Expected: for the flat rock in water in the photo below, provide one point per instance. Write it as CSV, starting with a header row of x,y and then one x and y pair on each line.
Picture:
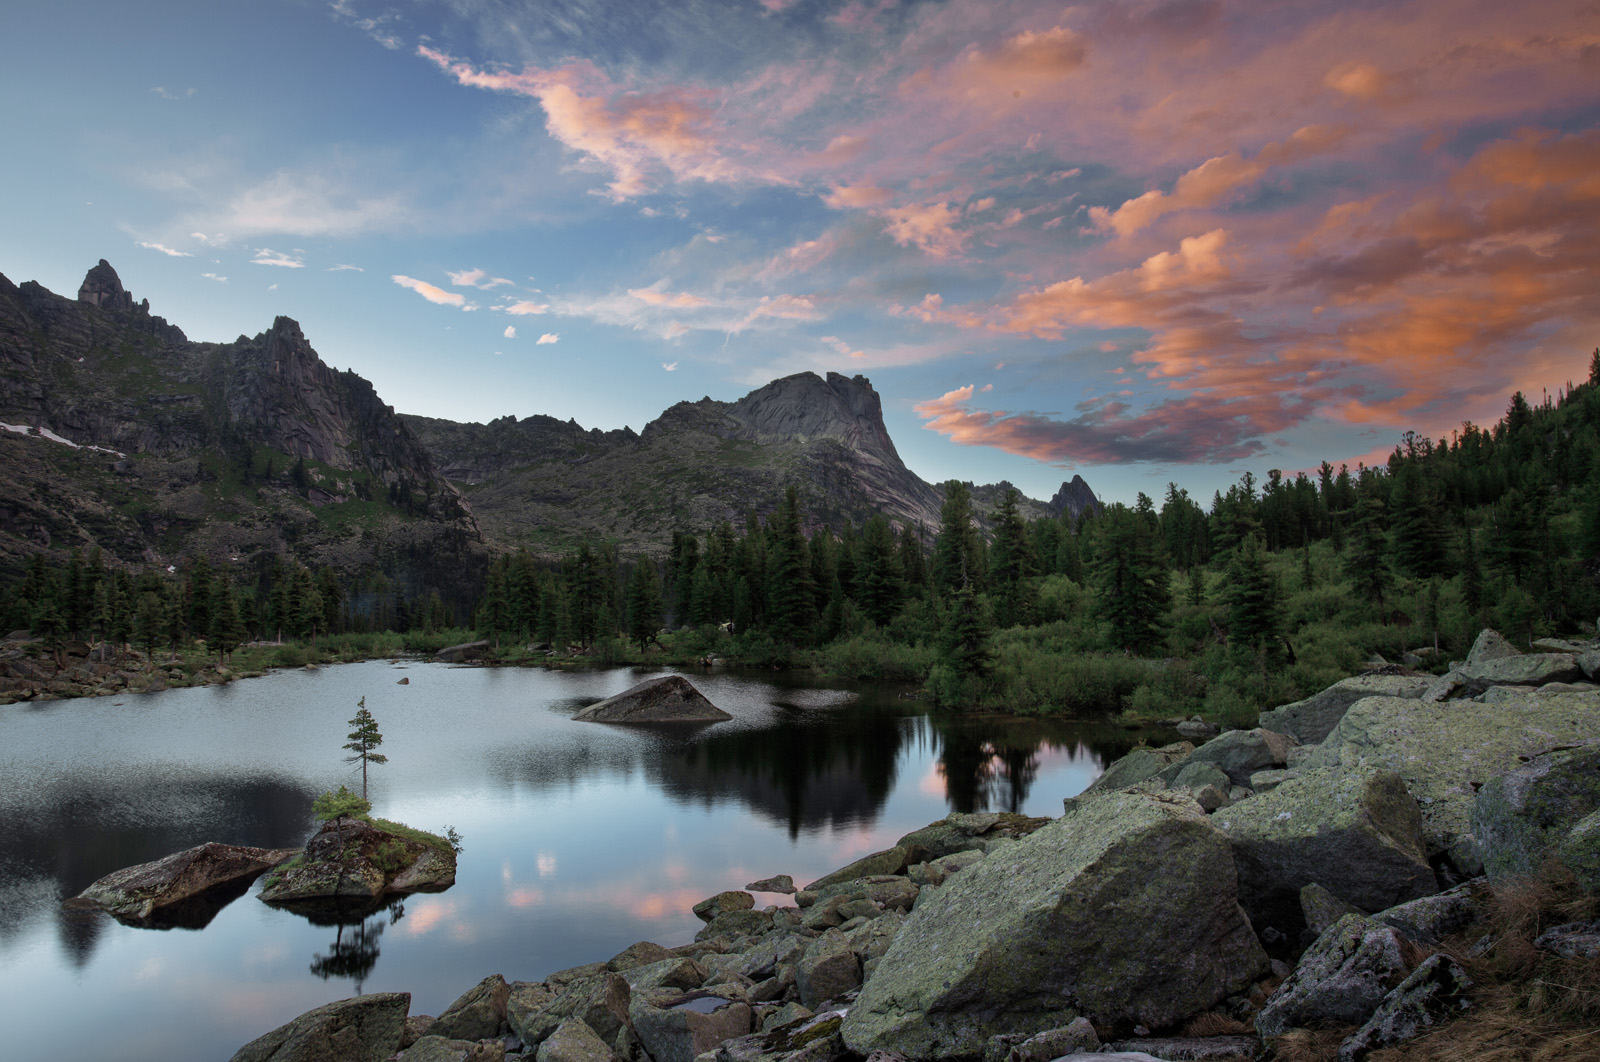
x,y
671,699
139,894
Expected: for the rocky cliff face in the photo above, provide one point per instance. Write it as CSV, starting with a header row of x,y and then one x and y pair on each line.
x,y
546,483
167,447
1075,498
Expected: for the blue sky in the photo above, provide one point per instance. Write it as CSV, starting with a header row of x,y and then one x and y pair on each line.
x,y
1138,241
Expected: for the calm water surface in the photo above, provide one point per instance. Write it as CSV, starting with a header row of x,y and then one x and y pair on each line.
x,y
579,838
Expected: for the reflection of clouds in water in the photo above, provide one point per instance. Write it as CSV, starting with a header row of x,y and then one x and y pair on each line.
x,y
933,783
524,897
426,913
547,864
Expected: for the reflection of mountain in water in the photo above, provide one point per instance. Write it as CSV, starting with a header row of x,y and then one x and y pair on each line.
x,y
809,769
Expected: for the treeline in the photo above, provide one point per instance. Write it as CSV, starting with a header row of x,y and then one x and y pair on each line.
x,y
154,608
1274,589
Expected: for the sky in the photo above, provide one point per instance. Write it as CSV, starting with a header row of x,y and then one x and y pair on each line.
x,y
1140,241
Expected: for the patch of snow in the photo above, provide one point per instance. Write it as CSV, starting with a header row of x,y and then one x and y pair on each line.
x,y
46,433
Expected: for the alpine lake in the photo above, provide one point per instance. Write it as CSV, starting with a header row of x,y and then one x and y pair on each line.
x,y
578,838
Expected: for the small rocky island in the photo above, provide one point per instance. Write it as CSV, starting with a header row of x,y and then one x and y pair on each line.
x,y
1336,881
360,860
669,699
181,889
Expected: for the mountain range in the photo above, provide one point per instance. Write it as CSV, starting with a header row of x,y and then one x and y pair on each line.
x,y
126,435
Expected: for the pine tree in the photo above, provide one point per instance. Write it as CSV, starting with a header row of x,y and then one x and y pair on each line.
x,y
1252,600
879,579
644,602
151,623
1134,586
791,593
956,551
363,739
198,619
226,627
1011,563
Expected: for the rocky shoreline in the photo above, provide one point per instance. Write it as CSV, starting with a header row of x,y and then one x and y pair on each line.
x,y
1195,902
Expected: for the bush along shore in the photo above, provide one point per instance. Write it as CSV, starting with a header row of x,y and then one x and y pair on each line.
x,y
1402,866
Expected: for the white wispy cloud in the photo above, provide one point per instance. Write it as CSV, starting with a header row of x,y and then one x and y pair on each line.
x,y
670,366
168,94
268,257
475,278
511,332
341,268
523,309
431,292
214,276
164,249
548,337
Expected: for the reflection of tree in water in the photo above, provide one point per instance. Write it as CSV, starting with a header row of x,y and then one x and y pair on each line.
x,y
355,956
990,762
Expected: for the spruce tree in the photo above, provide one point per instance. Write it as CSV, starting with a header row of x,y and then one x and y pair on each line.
x,y
1133,584
1252,600
956,551
791,594
363,739
226,627
880,582
644,601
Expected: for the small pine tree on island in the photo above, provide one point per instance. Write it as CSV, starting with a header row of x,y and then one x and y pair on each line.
x,y
363,739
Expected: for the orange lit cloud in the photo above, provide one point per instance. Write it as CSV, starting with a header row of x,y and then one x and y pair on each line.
x,y
664,298
930,226
430,292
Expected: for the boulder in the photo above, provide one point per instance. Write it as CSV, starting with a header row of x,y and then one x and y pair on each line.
x,y
889,861
1241,753
1530,669
1356,833
1574,940
1124,910
1524,815
1197,774
812,1038
1321,908
828,969
1580,852
969,832
1589,662
778,883
1433,993
668,699
1079,1035
1445,752
1445,687
1310,720
363,1029
142,894
763,960
736,924
690,1026
525,999
477,1015
636,955
444,1049
355,859
1340,979
573,1041
1432,918
1184,1048
1490,646
732,900
1141,764
676,971
1197,729
601,1000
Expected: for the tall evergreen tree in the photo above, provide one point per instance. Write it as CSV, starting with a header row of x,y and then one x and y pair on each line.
x,y
878,574
1134,586
1253,612
791,594
363,739
644,601
957,551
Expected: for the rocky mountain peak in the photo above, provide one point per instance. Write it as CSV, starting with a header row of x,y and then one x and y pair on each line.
x,y
1075,498
807,406
103,288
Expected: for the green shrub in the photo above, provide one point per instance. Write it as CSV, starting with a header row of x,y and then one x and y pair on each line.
x,y
290,656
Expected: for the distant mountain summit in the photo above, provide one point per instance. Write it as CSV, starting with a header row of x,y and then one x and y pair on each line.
x,y
126,435
545,483
232,450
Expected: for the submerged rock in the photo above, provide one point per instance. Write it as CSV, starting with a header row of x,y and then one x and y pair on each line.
x,y
669,699
1124,910
140,895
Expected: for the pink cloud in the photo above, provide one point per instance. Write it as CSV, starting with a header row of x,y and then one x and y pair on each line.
x,y
862,195
681,300
930,227
430,292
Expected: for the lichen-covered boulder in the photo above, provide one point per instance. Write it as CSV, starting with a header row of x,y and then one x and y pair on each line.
x,y
363,1029
1141,764
1354,832
573,1041
1322,908
1446,751
1433,993
1432,918
1241,753
669,699
477,1015
636,955
828,969
360,860
1580,851
1309,721
1528,669
1124,910
1341,978
731,900
140,894
889,861
687,1027
1077,1036
445,1049
1489,646
601,1000
1524,815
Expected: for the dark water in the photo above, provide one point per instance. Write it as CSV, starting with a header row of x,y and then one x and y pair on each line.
x,y
579,838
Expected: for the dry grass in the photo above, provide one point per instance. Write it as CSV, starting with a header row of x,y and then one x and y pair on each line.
x,y
1527,1005
1214,1023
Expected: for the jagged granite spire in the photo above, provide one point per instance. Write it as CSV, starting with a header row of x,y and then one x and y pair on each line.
x,y
103,288
1075,498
